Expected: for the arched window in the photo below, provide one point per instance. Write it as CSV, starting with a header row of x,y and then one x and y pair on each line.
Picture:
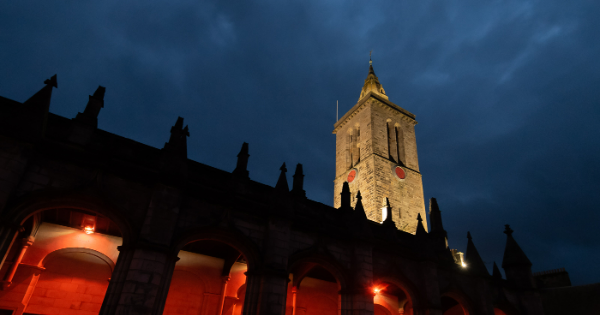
x,y
356,146
392,144
349,149
399,133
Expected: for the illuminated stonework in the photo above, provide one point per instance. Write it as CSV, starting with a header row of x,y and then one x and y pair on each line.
x,y
376,139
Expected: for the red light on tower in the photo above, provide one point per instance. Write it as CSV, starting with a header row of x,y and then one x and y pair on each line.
x,y
376,290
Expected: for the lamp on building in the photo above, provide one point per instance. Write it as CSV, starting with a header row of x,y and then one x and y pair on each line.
x,y
89,224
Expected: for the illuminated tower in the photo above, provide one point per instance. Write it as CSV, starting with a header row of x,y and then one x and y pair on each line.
x,y
376,152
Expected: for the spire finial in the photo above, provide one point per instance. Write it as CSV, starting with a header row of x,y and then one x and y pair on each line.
x,y
370,60
507,230
241,169
282,183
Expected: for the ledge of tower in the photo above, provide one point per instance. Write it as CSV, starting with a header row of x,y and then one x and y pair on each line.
x,y
364,100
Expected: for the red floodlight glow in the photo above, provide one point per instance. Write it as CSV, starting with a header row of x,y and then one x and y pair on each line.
x,y
88,229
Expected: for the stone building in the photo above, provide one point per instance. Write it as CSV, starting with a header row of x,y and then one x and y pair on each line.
x,y
94,223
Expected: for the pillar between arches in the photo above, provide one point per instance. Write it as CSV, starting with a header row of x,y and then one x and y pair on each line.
x,y
140,281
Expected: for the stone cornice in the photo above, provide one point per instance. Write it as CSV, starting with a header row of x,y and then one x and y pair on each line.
x,y
408,116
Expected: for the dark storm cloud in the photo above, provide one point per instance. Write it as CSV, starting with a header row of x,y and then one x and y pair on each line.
x,y
506,93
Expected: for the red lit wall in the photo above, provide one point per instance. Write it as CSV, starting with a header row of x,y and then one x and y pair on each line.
x,y
196,286
314,296
73,283
64,271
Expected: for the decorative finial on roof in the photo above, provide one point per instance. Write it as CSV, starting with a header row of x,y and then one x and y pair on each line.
x,y
282,183
372,83
508,230
52,81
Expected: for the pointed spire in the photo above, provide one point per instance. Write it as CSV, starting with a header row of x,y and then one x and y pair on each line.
x,y
474,262
420,229
345,196
516,264
241,169
372,84
92,109
178,139
282,183
496,272
388,213
298,183
360,210
513,254
42,97
435,216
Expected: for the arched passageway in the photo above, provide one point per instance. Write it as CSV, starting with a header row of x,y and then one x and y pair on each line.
x,y
313,290
61,260
390,298
209,278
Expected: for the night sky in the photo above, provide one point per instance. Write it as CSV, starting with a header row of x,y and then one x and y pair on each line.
x,y
506,93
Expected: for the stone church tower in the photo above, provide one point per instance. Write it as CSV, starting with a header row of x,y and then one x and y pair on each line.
x,y
376,153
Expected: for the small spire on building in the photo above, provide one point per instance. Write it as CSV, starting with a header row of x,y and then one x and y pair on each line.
x,y
372,84
360,210
388,213
282,183
241,168
420,229
513,254
42,97
92,109
178,140
474,262
298,183
345,196
435,216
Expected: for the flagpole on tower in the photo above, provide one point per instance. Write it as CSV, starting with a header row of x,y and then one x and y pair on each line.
x,y
337,107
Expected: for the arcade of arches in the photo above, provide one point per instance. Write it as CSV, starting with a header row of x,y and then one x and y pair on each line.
x,y
65,259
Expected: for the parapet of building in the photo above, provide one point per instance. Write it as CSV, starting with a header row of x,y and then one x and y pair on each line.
x,y
95,223
554,278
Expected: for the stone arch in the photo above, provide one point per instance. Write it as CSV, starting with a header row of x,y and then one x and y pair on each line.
x,y
36,202
78,277
231,237
402,282
321,258
227,237
70,250
461,298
